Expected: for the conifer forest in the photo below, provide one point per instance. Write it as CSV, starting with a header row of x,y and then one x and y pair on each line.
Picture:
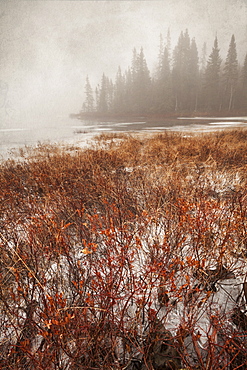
x,y
184,81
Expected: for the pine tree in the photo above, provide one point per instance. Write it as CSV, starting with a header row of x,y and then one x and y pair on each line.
x,y
163,48
88,105
162,88
160,56
203,59
212,79
134,64
128,92
130,84
181,73
119,93
141,83
230,75
244,74
193,77
168,44
201,90
109,94
97,89
103,104
244,85
177,71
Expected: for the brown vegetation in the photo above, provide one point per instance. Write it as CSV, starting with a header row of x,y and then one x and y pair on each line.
x,y
99,245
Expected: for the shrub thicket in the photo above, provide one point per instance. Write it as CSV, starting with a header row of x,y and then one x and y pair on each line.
x,y
111,256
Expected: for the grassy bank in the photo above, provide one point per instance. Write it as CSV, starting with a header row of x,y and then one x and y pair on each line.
x,y
99,245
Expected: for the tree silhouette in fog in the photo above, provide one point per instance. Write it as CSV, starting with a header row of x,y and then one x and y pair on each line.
x,y
182,82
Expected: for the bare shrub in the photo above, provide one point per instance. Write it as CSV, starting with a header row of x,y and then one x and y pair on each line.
x,y
130,254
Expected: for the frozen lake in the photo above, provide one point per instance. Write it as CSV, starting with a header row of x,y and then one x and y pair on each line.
x,y
73,130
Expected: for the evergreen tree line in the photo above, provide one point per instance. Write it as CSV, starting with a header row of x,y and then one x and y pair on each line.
x,y
180,84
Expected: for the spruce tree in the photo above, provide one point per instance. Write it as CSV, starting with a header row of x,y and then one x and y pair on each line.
x,y
160,56
134,64
162,87
103,103
212,79
109,94
119,90
202,68
177,71
203,59
193,77
168,44
181,72
141,83
88,105
128,92
244,85
230,75
161,83
97,89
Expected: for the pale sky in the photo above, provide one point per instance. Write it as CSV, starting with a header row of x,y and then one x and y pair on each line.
x,y
49,47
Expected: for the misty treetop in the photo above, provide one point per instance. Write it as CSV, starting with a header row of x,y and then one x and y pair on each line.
x,y
181,83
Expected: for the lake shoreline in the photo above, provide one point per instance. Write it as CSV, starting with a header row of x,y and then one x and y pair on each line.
x,y
82,127
154,117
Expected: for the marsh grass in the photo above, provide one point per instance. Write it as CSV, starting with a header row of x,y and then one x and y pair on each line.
x,y
92,242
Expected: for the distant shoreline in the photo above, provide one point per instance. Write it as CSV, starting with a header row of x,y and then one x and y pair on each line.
x,y
154,117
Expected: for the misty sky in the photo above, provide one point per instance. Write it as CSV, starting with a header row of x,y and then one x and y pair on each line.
x,y
48,47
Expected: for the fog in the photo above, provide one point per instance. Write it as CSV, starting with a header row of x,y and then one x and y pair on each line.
x,y
49,47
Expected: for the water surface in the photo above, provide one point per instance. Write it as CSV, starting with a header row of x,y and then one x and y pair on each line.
x,y
69,130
